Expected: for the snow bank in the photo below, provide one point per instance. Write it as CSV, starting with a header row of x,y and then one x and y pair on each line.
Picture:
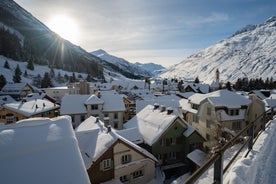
x,y
260,165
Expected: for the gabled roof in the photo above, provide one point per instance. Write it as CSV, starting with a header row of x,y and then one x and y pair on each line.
x,y
197,87
94,140
73,104
93,99
32,107
221,98
6,99
112,102
151,123
14,88
41,150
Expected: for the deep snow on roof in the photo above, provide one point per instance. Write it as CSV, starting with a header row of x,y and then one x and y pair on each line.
x,y
93,99
94,139
112,102
6,99
31,107
151,123
41,150
220,98
73,104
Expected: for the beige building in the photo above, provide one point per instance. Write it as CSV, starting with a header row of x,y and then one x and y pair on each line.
x,y
221,114
108,156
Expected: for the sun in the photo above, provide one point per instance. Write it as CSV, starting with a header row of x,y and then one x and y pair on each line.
x,y
65,27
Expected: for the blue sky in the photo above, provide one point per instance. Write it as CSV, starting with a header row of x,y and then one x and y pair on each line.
x,y
159,31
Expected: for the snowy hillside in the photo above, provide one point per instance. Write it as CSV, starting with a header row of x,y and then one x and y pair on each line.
x,y
121,63
153,68
250,52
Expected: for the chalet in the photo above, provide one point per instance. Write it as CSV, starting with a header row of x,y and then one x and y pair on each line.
x,y
166,135
221,111
12,112
41,150
196,88
108,106
109,156
17,90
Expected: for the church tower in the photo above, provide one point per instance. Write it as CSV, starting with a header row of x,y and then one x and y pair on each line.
x,y
217,76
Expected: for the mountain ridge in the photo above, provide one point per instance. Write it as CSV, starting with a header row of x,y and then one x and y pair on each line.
x,y
250,53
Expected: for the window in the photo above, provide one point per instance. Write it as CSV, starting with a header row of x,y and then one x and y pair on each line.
x,y
10,118
126,159
123,178
116,125
195,118
208,123
236,125
105,165
115,115
163,142
82,118
173,140
137,174
94,107
172,155
208,111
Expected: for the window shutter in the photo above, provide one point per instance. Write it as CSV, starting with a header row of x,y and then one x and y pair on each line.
x,y
167,142
101,166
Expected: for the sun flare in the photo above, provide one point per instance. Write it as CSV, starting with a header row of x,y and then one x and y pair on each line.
x,y
65,27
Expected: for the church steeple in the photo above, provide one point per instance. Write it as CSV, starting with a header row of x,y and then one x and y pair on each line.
x,y
217,76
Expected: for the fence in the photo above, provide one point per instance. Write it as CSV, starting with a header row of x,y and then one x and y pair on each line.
x,y
217,158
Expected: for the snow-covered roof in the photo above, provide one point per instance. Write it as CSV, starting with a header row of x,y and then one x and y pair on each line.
x,y
6,99
186,106
32,107
198,157
90,123
131,134
151,123
112,102
190,130
14,88
41,150
221,98
167,100
73,104
198,87
93,141
93,99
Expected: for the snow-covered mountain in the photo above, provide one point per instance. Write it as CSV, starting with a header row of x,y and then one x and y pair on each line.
x,y
153,68
250,52
123,64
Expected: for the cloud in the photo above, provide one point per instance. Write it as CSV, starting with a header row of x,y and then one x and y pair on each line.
x,y
214,17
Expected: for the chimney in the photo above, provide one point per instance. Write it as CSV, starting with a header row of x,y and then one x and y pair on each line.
x,y
97,120
169,110
163,108
106,121
44,105
156,106
36,106
108,129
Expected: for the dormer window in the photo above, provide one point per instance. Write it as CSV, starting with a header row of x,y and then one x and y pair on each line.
x,y
94,106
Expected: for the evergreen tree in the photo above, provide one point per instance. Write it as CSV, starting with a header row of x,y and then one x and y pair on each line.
x,y
88,78
3,81
25,73
30,64
46,81
196,80
73,78
6,65
228,86
17,75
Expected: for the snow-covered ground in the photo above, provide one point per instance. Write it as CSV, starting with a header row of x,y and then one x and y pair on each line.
x,y
260,164
258,167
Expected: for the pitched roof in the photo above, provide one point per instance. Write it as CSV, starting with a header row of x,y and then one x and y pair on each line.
x,y
223,98
31,107
73,104
41,150
113,102
151,123
93,99
94,140
6,99
14,88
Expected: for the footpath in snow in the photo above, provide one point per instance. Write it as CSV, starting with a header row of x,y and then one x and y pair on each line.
x,y
260,164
